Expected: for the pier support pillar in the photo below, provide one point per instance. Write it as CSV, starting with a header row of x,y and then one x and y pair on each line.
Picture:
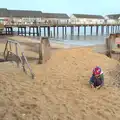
x,y
18,30
48,31
91,28
40,31
85,30
44,31
102,28
78,30
22,31
113,29
37,30
54,31
97,28
29,31
107,30
57,31
72,30
25,31
63,31
33,31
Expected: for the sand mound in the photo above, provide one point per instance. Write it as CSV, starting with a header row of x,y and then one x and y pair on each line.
x,y
60,91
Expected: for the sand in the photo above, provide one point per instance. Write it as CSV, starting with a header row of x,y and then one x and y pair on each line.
x,y
60,90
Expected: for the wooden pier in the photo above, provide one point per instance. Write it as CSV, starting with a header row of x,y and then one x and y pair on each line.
x,y
35,29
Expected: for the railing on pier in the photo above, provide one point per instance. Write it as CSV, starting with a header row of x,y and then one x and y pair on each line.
x,y
18,58
61,24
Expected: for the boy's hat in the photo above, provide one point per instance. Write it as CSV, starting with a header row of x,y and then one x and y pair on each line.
x,y
97,70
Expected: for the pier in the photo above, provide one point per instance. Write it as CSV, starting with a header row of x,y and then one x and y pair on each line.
x,y
35,29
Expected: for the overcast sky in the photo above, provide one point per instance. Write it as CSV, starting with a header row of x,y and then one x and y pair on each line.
x,y
101,7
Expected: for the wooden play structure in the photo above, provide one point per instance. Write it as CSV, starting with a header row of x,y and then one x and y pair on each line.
x,y
113,46
16,55
14,52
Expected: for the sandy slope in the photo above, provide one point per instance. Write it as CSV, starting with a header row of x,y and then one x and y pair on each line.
x,y
60,90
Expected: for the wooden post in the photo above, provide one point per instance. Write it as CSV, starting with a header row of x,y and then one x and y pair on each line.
x,y
65,30
78,30
62,31
102,30
108,29
29,31
85,30
17,54
21,30
91,29
54,31
11,31
113,29
40,31
18,30
44,50
44,31
72,30
33,31
37,30
48,31
6,30
57,31
25,30
118,28
97,28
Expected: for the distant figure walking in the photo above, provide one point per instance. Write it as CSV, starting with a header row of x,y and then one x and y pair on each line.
x,y
97,78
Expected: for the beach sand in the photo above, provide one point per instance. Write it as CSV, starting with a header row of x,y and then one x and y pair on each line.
x,y
60,90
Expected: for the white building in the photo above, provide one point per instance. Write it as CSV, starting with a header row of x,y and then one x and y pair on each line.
x,y
25,16
86,19
4,16
57,18
112,19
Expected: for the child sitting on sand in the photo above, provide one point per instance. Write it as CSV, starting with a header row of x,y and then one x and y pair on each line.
x,y
97,79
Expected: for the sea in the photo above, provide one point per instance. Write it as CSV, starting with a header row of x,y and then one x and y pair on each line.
x,y
77,40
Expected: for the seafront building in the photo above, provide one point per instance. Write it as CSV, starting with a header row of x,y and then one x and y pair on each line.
x,y
30,17
86,19
57,18
113,18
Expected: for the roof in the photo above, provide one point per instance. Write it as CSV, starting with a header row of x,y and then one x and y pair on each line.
x,y
4,12
88,16
25,13
55,15
113,16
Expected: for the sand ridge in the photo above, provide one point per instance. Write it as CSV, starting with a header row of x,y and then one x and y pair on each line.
x,y
60,90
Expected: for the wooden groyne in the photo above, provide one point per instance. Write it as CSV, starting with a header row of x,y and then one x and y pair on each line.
x,y
35,29
113,46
